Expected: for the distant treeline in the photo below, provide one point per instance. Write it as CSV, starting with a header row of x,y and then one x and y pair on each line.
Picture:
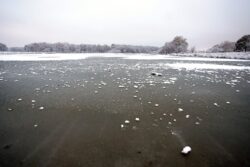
x,y
82,48
241,45
178,45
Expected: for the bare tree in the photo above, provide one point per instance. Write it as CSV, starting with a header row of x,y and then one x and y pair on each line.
x,y
179,44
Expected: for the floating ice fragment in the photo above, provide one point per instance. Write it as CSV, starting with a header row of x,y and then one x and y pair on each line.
x,y
180,109
216,104
127,121
19,99
9,109
156,105
35,125
137,119
33,101
122,126
41,108
156,74
103,83
228,102
186,150
187,116
173,78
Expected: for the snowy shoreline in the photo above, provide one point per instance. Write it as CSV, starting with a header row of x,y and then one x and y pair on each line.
x,y
28,56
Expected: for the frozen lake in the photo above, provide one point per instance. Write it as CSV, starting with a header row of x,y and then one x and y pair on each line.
x,y
123,110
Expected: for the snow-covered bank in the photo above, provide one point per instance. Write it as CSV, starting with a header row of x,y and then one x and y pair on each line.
x,y
235,56
227,55
194,66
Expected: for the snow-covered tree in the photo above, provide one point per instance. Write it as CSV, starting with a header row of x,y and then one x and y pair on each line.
x,y
132,49
65,47
193,49
243,44
225,46
87,48
179,44
3,47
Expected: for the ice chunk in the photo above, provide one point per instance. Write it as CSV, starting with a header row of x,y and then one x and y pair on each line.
x,y
137,119
41,108
180,109
127,121
156,74
216,104
186,150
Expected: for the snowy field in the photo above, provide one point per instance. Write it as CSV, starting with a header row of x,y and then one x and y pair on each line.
x,y
123,110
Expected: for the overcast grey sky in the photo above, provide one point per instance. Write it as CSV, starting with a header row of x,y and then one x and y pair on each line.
x,y
141,22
